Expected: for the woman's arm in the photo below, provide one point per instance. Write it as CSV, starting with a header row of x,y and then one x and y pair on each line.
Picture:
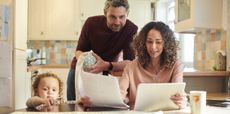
x,y
178,69
124,85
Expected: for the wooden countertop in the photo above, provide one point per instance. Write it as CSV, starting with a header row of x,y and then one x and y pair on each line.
x,y
218,96
35,67
187,71
193,72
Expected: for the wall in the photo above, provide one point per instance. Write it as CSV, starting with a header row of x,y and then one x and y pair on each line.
x,y
55,52
206,45
6,89
161,10
228,35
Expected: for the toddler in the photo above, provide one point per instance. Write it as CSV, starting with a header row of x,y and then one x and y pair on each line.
x,y
48,90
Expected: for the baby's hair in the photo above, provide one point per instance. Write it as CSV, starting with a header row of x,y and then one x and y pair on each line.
x,y
45,75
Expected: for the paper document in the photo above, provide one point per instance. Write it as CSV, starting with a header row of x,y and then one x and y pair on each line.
x,y
102,90
156,96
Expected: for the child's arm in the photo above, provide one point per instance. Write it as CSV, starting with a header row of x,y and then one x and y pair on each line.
x,y
34,101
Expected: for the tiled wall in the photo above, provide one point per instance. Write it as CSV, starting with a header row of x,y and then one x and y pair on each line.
x,y
55,52
206,45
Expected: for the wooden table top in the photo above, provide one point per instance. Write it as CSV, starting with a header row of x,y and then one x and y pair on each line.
x,y
78,108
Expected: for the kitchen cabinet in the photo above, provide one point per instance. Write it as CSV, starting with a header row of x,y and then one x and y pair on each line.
x,y
62,20
36,18
53,20
22,83
137,7
136,15
196,15
90,8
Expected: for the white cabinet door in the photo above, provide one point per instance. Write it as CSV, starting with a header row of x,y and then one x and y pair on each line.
x,y
140,12
20,25
91,8
36,19
22,82
60,20
53,19
196,15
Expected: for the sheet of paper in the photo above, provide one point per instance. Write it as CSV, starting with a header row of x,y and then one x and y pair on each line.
x,y
102,90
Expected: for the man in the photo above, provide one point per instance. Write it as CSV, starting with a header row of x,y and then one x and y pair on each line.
x,y
107,36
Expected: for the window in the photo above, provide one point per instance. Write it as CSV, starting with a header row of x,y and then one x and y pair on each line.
x,y
186,53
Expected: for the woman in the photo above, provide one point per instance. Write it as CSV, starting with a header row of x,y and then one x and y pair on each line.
x,y
156,62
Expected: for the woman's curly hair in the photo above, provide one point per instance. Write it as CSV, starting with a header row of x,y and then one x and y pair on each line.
x,y
45,75
169,54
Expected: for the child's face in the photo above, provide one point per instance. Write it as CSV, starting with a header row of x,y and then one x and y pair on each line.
x,y
48,88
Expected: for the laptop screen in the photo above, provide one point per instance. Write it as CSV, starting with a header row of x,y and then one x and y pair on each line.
x,y
156,96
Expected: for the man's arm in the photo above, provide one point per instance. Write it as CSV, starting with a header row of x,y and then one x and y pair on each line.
x,y
119,66
102,65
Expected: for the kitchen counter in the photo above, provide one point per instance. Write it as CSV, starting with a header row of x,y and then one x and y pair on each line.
x,y
193,72
218,96
5,110
36,67
187,71
210,81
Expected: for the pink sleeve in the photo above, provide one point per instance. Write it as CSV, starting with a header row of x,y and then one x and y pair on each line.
x,y
177,74
124,84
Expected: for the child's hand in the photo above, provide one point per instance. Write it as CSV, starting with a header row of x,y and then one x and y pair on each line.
x,y
49,102
180,100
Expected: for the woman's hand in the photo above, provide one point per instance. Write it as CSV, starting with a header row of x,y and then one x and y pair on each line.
x,y
180,99
85,101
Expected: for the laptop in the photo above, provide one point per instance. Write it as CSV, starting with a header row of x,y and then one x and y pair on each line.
x,y
156,96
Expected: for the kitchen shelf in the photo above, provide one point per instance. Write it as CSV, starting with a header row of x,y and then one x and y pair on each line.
x,y
194,73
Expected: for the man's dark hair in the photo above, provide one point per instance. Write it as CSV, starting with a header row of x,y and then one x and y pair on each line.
x,y
116,3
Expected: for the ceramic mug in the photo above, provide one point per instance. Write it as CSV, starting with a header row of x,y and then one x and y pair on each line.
x,y
198,102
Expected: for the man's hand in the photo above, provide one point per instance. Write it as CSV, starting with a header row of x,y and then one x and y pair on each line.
x,y
100,65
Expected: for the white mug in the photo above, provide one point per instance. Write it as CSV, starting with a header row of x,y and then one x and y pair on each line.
x,y
198,102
